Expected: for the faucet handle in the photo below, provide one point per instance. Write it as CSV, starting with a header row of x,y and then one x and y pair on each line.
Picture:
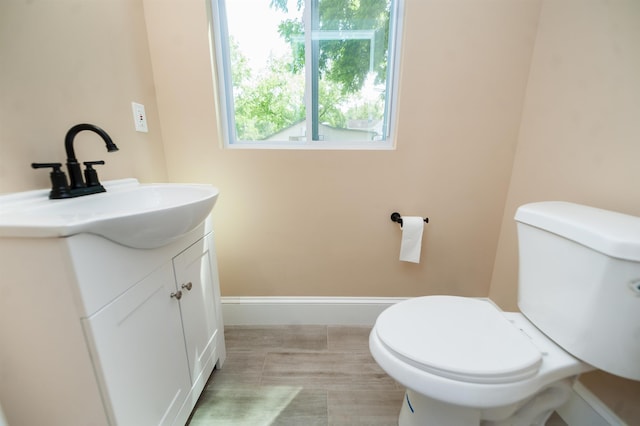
x,y
59,185
90,174
55,166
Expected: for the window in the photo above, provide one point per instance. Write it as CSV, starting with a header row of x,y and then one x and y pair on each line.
x,y
281,86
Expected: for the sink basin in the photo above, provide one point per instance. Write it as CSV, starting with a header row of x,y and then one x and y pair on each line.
x,y
136,215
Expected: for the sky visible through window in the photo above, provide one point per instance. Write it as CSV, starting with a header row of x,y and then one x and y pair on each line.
x,y
257,32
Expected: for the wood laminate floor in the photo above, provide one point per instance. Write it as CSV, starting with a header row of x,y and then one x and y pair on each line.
x,y
300,375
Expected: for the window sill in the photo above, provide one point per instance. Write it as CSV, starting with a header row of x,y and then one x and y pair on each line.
x,y
338,146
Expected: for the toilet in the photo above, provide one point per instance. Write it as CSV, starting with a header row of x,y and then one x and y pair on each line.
x,y
465,362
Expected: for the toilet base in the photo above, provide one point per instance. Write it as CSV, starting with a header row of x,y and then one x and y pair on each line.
x,y
420,410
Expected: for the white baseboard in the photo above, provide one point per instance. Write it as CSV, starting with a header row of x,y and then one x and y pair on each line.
x,y
304,310
582,409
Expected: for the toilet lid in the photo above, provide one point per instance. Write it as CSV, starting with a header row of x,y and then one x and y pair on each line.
x,y
459,338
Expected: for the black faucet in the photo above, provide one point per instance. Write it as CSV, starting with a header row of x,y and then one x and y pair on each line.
x,y
77,186
75,174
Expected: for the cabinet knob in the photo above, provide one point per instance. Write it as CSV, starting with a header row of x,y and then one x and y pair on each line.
x,y
177,294
188,285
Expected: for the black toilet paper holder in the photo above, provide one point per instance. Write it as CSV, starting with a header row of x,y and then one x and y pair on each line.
x,y
396,217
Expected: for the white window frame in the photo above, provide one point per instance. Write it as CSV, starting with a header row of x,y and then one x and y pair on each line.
x,y
220,48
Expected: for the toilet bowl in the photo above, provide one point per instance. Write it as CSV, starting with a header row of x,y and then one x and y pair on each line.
x,y
465,362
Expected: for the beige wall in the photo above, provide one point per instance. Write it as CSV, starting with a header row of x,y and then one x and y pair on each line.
x,y
316,223
68,62
289,222
580,136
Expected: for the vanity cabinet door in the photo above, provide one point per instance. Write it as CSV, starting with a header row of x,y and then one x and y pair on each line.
x,y
138,347
196,276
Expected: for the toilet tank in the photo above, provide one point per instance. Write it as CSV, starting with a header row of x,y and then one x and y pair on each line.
x,y
579,281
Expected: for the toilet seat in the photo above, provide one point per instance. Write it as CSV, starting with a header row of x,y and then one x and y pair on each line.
x,y
458,338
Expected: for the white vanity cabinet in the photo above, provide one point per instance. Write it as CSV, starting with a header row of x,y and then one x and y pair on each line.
x,y
196,275
138,343
142,340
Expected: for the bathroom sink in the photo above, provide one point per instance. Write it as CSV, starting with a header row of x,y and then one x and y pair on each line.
x,y
132,214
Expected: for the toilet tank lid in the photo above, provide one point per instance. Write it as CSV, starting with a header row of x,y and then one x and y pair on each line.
x,y
611,233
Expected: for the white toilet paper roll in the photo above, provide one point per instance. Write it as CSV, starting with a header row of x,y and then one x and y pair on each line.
x,y
411,243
